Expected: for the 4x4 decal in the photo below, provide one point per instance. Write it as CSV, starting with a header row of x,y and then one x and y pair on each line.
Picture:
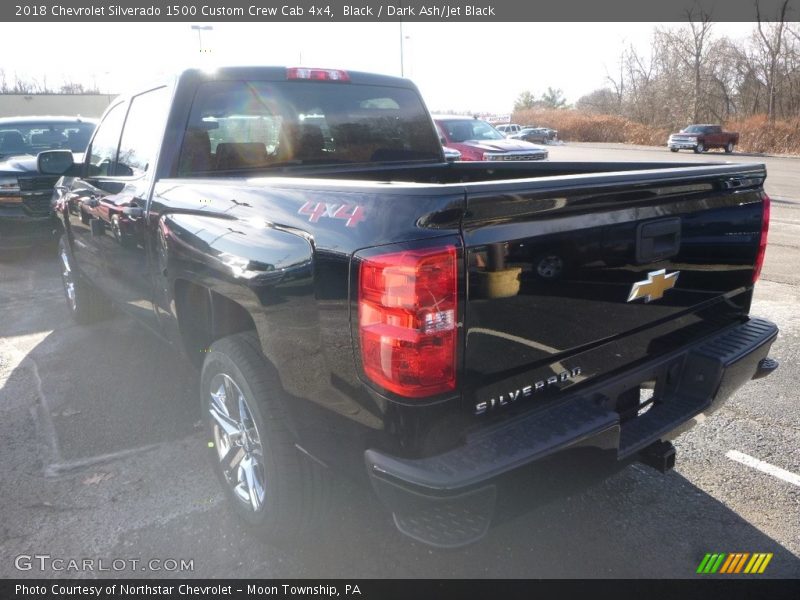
x,y
352,214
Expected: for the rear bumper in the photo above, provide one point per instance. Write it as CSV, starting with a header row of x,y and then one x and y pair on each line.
x,y
448,499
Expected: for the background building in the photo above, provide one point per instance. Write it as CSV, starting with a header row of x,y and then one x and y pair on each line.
x,y
85,105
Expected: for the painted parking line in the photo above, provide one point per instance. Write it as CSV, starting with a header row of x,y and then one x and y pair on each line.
x,y
764,467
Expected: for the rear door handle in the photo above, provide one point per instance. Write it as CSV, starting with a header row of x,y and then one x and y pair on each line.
x,y
742,182
657,240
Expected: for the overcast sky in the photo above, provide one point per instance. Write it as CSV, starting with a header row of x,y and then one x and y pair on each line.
x,y
457,66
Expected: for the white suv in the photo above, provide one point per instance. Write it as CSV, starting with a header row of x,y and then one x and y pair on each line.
x,y
508,129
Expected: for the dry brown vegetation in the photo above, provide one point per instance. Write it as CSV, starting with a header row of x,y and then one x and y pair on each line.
x,y
577,126
692,74
756,134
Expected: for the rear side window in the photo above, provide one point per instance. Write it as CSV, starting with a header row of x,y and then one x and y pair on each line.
x,y
237,125
141,137
103,155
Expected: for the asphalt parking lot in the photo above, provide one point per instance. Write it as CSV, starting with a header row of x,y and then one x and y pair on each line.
x,y
102,457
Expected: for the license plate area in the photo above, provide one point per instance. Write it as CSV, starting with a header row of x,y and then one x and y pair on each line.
x,y
637,401
636,398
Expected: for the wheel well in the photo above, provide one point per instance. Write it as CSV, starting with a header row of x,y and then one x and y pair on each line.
x,y
205,316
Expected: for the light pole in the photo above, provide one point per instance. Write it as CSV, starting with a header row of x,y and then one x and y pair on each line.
x,y
200,29
402,69
402,52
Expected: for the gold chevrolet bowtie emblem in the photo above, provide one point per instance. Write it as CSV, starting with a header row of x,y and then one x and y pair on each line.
x,y
654,286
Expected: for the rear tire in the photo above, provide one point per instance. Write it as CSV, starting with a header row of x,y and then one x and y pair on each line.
x,y
729,148
269,483
85,303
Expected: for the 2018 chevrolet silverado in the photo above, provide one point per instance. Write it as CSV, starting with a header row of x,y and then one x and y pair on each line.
x,y
357,304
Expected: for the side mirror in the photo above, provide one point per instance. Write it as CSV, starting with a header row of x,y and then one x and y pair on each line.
x,y
54,162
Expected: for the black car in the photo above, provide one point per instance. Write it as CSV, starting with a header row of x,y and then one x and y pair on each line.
x,y
26,218
536,135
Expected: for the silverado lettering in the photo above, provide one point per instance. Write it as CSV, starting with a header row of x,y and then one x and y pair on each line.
x,y
525,392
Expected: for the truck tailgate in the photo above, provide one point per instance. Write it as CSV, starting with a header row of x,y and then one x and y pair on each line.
x,y
574,278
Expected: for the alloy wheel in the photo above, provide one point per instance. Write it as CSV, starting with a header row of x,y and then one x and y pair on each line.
x,y
237,441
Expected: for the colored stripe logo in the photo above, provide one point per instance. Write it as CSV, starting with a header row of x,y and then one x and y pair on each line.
x,y
734,563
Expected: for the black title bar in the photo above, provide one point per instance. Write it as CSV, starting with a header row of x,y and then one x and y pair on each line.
x,y
376,589
405,10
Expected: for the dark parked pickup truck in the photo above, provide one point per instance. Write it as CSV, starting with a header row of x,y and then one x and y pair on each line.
x,y
357,304
26,218
703,137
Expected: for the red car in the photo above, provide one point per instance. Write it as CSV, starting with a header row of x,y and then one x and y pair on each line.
x,y
478,140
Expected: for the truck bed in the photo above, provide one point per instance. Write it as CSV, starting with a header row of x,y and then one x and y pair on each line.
x,y
600,228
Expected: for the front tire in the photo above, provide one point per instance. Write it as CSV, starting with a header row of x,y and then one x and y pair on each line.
x,y
268,482
85,303
699,149
673,149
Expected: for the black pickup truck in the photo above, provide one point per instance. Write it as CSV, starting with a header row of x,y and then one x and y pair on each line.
x,y
357,304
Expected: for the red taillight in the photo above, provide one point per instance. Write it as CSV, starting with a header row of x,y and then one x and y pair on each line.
x,y
762,245
317,74
407,311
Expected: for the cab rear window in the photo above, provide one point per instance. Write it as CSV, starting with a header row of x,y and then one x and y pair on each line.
x,y
236,125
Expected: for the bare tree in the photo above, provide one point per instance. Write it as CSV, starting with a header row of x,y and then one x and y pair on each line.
x,y
791,95
524,101
553,98
690,46
772,39
40,86
21,86
618,84
74,87
691,74
641,72
699,44
600,101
